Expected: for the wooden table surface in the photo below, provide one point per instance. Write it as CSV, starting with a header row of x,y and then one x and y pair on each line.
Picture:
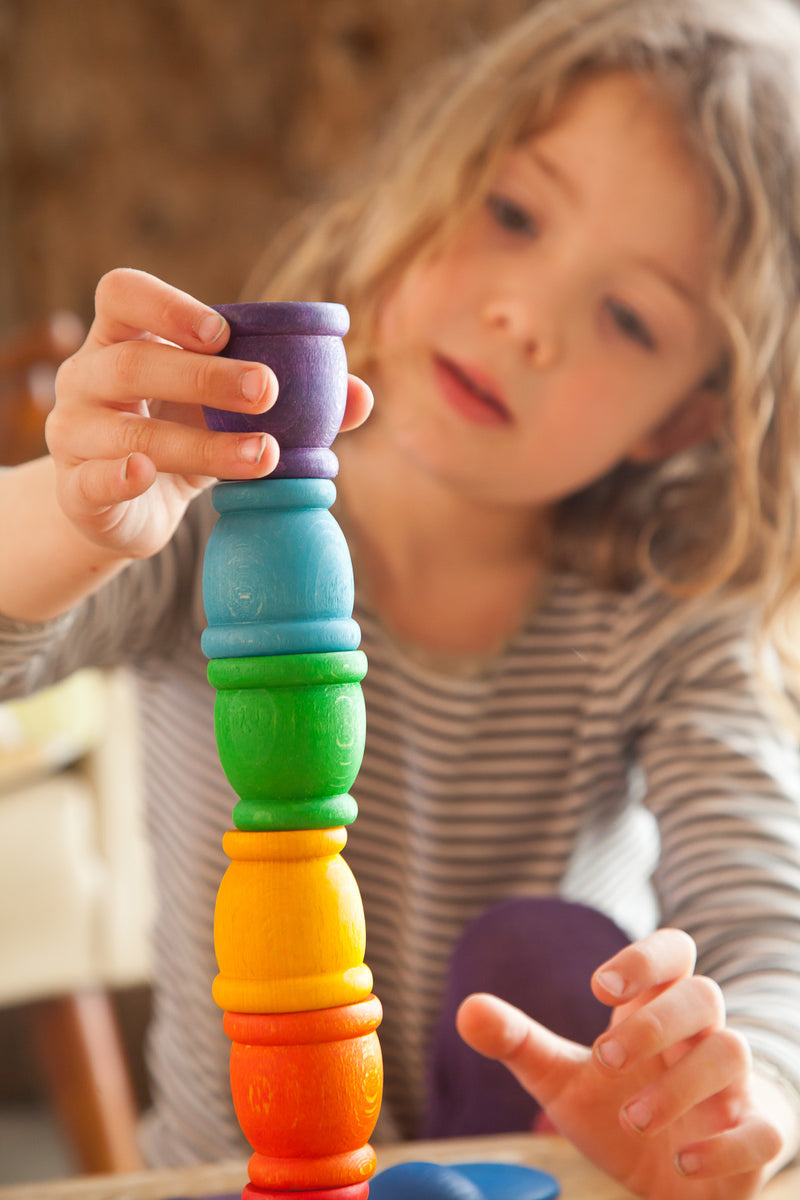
x,y
579,1180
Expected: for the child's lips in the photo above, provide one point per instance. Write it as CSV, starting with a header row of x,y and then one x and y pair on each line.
x,y
471,392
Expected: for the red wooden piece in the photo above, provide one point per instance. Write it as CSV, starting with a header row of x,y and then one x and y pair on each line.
x,y
355,1191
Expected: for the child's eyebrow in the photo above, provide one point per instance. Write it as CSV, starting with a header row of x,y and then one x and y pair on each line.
x,y
673,282
561,179
554,171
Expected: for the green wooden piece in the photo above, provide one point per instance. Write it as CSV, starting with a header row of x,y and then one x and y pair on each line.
x,y
290,734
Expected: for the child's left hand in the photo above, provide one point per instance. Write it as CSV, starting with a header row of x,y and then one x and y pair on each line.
x,y
667,1101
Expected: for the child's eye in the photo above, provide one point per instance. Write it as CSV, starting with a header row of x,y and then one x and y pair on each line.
x,y
630,324
510,215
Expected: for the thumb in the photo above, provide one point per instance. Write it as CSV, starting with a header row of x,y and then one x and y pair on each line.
x,y
543,1062
359,403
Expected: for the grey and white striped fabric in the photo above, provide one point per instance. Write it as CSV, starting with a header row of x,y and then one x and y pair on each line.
x,y
617,753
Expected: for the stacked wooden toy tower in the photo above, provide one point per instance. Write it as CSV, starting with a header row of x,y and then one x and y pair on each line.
x,y
289,932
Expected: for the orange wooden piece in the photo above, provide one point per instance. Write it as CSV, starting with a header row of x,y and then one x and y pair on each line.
x,y
309,1174
307,1091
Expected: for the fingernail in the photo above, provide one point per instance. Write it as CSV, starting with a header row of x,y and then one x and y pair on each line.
x,y
126,470
612,982
253,385
638,1115
211,327
610,1054
687,1163
251,448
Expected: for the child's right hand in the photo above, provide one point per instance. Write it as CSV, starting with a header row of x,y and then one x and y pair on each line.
x,y
127,434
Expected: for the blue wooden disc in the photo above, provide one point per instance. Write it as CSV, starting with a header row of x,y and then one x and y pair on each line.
x,y
468,1181
508,1181
422,1181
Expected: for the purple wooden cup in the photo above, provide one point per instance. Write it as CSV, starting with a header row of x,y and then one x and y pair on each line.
x,y
302,343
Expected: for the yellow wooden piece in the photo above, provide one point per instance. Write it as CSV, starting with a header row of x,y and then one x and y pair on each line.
x,y
289,928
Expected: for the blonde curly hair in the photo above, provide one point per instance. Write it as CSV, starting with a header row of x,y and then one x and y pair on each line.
x,y
721,517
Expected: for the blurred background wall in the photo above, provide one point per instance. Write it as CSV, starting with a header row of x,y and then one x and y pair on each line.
x,y
174,135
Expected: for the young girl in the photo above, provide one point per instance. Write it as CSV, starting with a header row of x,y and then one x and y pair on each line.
x,y
574,282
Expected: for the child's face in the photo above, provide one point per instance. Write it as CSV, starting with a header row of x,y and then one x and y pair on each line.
x,y
569,317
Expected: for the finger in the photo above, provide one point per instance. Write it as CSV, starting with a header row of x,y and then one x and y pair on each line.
x,y
655,961
360,401
750,1146
691,1006
173,448
707,1069
90,489
542,1061
129,303
125,372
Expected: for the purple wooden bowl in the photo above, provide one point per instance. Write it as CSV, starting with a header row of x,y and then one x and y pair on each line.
x,y
302,343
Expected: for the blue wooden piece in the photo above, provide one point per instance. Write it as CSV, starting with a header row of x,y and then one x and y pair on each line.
x,y
277,575
508,1181
422,1181
467,1181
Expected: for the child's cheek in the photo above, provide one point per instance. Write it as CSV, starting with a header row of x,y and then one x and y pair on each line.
x,y
410,308
389,323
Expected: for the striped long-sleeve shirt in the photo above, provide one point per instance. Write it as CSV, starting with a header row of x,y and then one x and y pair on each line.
x,y
618,752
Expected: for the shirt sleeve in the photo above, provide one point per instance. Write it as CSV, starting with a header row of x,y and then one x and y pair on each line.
x,y
723,781
139,615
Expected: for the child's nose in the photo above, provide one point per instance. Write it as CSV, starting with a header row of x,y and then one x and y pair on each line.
x,y
531,327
